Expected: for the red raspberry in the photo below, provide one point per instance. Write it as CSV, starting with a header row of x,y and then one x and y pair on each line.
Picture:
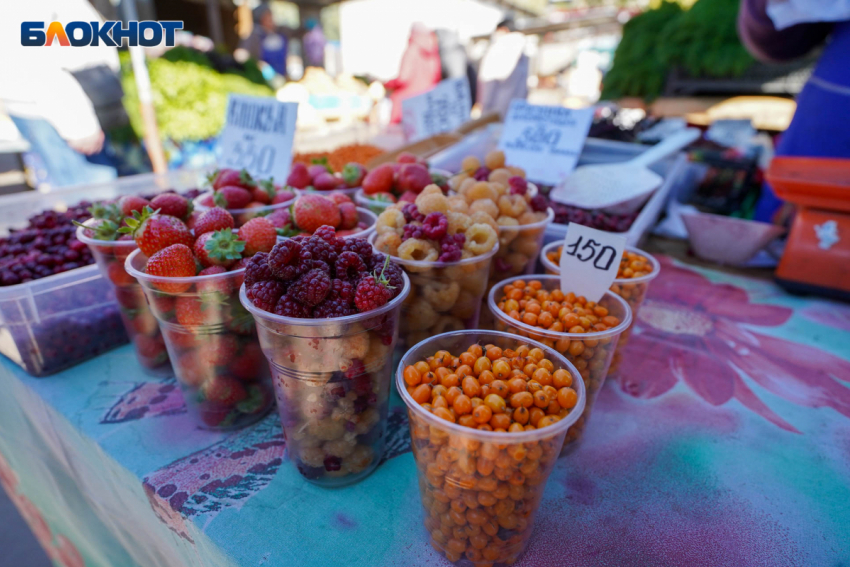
x,y
288,306
171,204
288,260
319,265
349,266
265,294
481,174
359,246
332,308
311,288
257,269
371,293
435,226
322,249
393,274
539,204
518,185
326,233
342,289
411,213
413,231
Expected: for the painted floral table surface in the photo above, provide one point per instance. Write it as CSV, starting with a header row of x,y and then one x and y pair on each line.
x,y
723,441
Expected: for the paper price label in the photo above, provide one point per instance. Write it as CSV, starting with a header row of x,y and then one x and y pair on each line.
x,y
590,260
546,141
442,109
257,136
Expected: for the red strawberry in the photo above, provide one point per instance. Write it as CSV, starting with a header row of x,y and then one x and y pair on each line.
x,y
282,197
175,261
317,169
312,211
260,195
280,219
118,275
144,323
326,182
249,365
180,338
193,312
339,197
219,349
379,180
130,203
150,348
190,369
250,213
413,177
232,197
224,390
129,297
212,220
219,248
224,286
299,176
348,212
353,174
192,220
208,200
171,204
259,235
408,197
406,157
153,232
224,177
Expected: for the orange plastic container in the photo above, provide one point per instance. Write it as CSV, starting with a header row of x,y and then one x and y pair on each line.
x,y
817,255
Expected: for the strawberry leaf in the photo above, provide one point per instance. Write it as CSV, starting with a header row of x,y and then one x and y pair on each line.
x,y
220,200
246,179
224,245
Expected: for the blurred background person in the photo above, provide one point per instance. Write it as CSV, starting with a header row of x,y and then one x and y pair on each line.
x,y
420,68
454,60
57,98
267,43
821,123
314,44
503,73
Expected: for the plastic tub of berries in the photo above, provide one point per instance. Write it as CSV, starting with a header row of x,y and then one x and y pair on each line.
x,y
586,334
243,214
212,343
636,272
380,191
329,343
484,466
139,322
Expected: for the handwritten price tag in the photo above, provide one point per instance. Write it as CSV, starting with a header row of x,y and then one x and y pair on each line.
x,y
590,260
546,141
258,136
442,109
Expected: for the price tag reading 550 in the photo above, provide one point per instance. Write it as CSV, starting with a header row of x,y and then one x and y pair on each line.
x,y
590,260
258,135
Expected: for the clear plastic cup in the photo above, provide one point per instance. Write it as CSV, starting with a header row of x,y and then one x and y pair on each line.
x,y
481,489
373,205
141,325
519,247
212,342
241,216
444,296
332,379
633,290
365,217
591,353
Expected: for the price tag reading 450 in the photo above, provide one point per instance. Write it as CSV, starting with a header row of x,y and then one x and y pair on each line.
x,y
258,136
590,260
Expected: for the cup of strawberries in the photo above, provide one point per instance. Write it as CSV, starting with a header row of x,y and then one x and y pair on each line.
x,y
242,196
191,279
327,311
402,180
313,210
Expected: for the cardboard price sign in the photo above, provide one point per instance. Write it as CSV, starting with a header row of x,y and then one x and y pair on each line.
x,y
442,109
258,136
546,141
590,260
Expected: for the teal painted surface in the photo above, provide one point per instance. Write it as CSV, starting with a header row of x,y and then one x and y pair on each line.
x,y
724,440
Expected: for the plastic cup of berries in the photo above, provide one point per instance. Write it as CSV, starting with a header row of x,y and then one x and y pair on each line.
x,y
141,325
366,220
519,247
485,438
587,342
636,272
212,342
328,312
281,201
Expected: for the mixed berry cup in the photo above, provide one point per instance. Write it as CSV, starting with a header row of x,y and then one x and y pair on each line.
x,y
444,296
332,380
139,322
241,216
481,489
633,290
212,342
590,353
519,247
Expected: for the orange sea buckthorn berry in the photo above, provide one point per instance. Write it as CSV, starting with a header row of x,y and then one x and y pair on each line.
x,y
442,372
529,318
475,350
440,402
521,415
470,386
464,370
535,414
422,393
562,379
567,398
438,390
494,353
450,380
443,413
482,413
500,387
486,377
522,399
542,375
547,421
466,420
412,376
462,405
423,367
517,385
452,394
467,358
501,369
500,421
495,402
541,400
481,364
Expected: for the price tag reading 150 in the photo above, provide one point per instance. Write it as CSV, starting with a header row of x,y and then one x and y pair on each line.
x,y
589,261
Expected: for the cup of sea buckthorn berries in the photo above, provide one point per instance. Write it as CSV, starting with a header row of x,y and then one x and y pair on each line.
x,y
446,254
637,270
499,194
327,312
488,414
585,332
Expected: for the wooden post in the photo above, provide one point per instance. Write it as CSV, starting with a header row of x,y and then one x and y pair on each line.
x,y
214,22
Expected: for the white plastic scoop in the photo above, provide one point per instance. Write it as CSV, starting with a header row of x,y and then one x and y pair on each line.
x,y
620,188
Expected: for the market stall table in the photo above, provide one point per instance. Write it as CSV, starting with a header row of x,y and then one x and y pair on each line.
x,y
723,441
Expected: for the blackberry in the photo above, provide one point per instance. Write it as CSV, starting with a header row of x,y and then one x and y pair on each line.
x,y
349,266
311,288
288,306
289,259
265,294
